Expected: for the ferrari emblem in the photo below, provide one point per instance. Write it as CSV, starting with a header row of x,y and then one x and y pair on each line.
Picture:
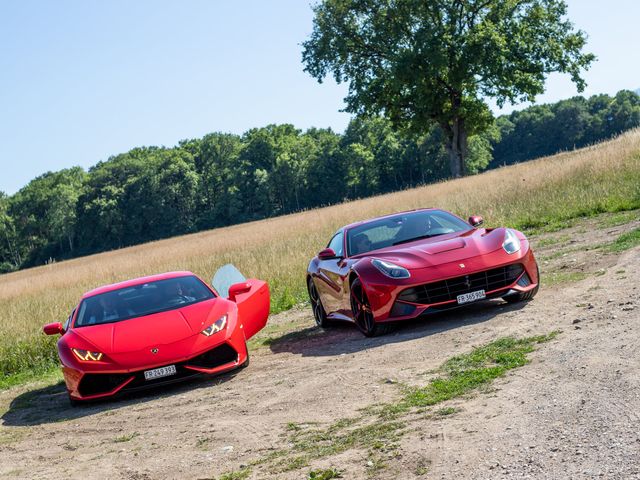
x,y
154,350
461,265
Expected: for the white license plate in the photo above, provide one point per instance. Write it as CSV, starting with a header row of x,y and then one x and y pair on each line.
x,y
471,296
160,372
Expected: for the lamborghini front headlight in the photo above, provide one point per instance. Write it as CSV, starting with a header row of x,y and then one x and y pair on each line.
x,y
86,355
215,327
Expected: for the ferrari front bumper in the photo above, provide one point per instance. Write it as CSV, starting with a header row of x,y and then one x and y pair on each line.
x,y
419,299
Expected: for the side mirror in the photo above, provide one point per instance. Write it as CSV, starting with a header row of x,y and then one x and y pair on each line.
x,y
326,254
53,328
238,289
476,220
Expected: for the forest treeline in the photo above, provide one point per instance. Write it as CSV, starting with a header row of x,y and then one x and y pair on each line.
x,y
221,179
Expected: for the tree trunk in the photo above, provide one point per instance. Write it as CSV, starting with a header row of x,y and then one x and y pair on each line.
x,y
457,147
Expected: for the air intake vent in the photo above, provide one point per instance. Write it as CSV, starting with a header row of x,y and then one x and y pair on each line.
x,y
524,281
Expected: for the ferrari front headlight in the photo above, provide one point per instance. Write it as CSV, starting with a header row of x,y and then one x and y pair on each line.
x,y
390,269
511,242
215,327
86,355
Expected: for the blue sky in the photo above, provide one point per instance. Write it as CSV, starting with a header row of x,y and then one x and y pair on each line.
x,y
83,80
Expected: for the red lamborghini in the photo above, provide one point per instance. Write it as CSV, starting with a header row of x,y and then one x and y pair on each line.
x,y
157,330
408,264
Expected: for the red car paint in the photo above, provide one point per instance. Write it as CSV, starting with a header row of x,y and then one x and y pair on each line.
x,y
130,347
450,256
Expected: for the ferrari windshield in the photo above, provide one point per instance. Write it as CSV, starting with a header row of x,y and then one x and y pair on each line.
x,y
143,299
402,228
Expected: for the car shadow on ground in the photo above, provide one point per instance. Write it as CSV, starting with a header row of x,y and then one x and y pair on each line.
x,y
50,404
344,337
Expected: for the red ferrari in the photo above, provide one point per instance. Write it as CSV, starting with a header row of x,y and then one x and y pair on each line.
x,y
409,264
157,330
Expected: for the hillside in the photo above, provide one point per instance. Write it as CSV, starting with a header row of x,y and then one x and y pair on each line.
x,y
543,389
221,179
537,195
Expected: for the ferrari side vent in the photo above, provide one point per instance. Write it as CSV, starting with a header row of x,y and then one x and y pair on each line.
x,y
447,290
215,357
524,280
402,309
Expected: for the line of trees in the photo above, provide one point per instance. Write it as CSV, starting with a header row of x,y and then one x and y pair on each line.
x,y
221,179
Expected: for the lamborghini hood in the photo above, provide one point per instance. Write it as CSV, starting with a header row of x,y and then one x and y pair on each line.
x,y
438,250
161,328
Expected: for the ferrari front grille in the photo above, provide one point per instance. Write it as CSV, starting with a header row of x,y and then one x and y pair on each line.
x,y
447,290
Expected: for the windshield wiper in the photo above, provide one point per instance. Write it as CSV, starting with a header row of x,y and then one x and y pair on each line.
x,y
422,237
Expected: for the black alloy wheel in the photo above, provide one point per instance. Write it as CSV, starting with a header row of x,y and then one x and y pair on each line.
x,y
363,314
319,313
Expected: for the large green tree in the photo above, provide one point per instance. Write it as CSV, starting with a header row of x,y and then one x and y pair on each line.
x,y
421,62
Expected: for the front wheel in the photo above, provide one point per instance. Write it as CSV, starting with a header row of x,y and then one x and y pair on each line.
x,y
319,314
363,314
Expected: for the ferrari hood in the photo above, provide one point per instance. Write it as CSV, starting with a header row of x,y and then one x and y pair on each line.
x,y
434,251
161,328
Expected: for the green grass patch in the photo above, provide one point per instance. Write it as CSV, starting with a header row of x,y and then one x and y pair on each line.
x,y
422,468
310,444
324,474
549,241
51,374
465,373
625,241
446,411
241,474
27,360
126,437
379,428
619,218
558,278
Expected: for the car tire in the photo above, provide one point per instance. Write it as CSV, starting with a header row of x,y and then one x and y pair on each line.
x,y
319,313
523,296
362,314
245,364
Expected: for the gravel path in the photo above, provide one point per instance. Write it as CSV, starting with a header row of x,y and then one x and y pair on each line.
x,y
571,413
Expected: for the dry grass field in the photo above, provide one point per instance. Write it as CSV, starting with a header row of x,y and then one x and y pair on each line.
x,y
536,195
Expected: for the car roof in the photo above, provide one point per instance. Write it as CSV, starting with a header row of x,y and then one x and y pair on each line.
x,y
136,281
369,220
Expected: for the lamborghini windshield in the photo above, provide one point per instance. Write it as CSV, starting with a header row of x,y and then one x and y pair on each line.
x,y
143,299
402,228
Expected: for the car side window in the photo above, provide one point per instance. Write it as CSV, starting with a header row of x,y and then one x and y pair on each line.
x,y
65,327
337,245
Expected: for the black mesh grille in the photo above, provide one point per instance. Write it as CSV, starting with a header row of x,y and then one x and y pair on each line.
x,y
449,289
95,383
215,357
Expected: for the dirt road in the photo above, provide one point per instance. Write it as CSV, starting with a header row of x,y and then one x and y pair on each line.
x,y
572,412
